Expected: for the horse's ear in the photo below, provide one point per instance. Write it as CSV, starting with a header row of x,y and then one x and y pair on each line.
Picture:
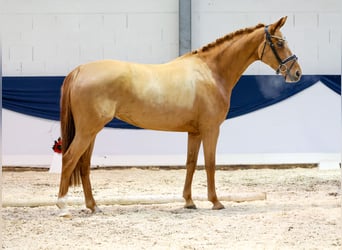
x,y
278,24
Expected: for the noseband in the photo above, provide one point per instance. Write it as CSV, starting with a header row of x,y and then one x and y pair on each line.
x,y
282,63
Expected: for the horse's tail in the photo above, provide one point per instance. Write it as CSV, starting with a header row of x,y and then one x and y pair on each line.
x,y
67,123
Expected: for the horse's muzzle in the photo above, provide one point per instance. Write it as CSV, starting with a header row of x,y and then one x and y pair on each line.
x,y
293,78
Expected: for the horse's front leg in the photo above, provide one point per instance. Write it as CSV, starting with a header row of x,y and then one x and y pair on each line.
x,y
194,142
209,146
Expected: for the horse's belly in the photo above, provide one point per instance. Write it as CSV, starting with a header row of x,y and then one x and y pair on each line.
x,y
176,120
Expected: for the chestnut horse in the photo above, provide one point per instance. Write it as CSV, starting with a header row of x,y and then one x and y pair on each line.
x,y
189,94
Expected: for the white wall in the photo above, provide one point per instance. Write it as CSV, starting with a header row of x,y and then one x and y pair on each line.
x,y
52,37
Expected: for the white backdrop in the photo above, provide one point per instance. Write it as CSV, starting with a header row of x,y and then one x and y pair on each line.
x,y
50,38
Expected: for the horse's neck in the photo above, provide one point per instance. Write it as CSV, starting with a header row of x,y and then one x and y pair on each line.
x,y
229,60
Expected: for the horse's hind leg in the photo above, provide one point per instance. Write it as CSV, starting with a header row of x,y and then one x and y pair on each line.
x,y
69,161
194,142
84,164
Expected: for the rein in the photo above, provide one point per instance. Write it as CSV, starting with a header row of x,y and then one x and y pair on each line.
x,y
282,63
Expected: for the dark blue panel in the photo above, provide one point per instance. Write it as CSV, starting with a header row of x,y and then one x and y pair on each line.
x,y
258,91
35,96
39,96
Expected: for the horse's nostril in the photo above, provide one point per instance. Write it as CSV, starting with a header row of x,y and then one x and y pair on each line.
x,y
298,73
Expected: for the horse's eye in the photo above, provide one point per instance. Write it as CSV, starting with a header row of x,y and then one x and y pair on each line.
x,y
280,43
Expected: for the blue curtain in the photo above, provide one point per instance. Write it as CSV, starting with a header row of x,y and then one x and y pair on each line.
x,y
39,96
255,92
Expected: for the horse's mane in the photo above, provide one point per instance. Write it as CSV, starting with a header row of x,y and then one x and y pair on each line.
x,y
227,37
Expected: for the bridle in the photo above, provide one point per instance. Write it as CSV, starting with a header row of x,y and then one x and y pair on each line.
x,y
282,63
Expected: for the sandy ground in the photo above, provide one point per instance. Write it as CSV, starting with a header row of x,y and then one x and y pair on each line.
x,y
302,211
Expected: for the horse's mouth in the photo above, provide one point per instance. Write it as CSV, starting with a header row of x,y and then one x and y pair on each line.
x,y
289,78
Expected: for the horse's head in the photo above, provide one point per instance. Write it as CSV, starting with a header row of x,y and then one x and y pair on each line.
x,y
275,52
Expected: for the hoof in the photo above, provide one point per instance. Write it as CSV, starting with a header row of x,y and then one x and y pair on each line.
x,y
62,205
218,206
96,210
64,213
190,206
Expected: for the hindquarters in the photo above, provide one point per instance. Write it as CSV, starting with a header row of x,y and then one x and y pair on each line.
x,y
84,112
